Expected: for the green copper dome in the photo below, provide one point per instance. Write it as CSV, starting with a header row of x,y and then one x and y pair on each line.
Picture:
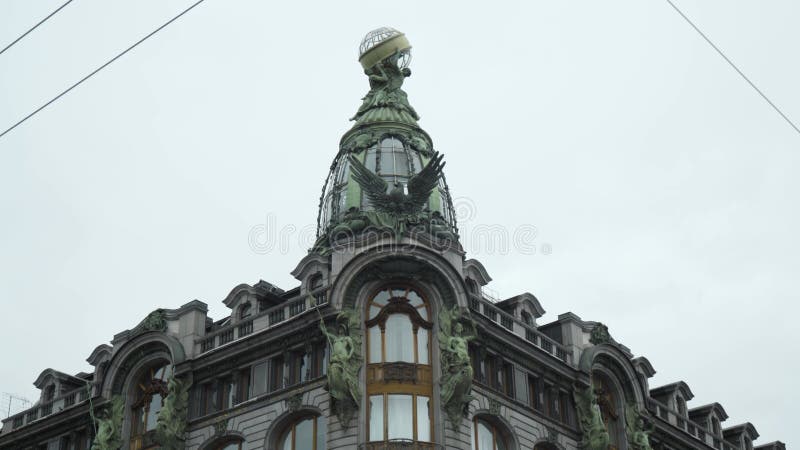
x,y
396,181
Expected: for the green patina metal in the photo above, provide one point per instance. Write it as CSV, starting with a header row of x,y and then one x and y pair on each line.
x,y
385,112
593,429
109,426
600,335
637,430
345,362
354,189
172,419
456,329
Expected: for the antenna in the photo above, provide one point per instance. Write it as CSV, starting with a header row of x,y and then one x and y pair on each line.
x,y
10,400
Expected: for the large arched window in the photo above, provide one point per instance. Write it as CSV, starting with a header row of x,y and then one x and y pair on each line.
x,y
399,383
151,390
307,433
488,436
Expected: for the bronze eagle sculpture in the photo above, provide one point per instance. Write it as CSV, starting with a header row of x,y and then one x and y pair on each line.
x,y
396,201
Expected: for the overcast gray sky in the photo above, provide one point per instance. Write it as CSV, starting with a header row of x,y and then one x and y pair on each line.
x,y
664,185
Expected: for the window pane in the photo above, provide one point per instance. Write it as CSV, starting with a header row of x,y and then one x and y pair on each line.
x,y
370,161
155,407
423,312
259,378
414,298
501,443
322,433
422,346
304,435
376,418
287,441
399,339
423,419
401,163
373,311
484,437
400,421
375,344
387,162
381,298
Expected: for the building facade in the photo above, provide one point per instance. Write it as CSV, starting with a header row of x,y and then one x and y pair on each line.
x,y
387,342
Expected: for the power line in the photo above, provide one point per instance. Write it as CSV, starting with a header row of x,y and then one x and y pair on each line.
x,y
734,67
35,26
101,67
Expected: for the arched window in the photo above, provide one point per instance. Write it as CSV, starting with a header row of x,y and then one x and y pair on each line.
x,y
681,406
399,382
715,427
151,390
50,392
610,404
245,311
527,319
308,433
488,436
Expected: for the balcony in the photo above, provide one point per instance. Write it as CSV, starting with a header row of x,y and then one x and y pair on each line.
x,y
400,444
264,320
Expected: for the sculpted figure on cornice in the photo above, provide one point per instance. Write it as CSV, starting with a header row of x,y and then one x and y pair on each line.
x,y
345,362
637,431
595,436
109,426
171,425
455,332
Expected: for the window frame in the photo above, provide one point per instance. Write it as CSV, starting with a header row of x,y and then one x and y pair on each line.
x,y
384,388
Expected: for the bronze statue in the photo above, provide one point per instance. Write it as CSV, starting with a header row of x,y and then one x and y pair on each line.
x,y
637,432
457,371
171,422
595,435
109,430
345,362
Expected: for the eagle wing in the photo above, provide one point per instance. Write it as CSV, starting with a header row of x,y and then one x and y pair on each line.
x,y
374,186
421,184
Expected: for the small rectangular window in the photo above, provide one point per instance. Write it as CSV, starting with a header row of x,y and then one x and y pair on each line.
x,y
259,379
376,417
276,375
423,419
401,413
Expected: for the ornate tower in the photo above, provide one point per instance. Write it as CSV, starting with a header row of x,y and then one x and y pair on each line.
x,y
395,193
387,246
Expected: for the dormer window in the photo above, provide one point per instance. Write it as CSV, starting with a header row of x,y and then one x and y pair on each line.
x,y
527,319
715,427
49,392
681,406
245,311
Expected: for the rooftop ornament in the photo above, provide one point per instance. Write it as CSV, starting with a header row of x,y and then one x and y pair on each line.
x,y
381,43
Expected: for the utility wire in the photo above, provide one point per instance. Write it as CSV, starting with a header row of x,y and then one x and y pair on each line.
x,y
35,26
101,67
734,67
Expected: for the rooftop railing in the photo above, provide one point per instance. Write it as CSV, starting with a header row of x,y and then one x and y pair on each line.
x,y
266,319
41,410
693,429
487,308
